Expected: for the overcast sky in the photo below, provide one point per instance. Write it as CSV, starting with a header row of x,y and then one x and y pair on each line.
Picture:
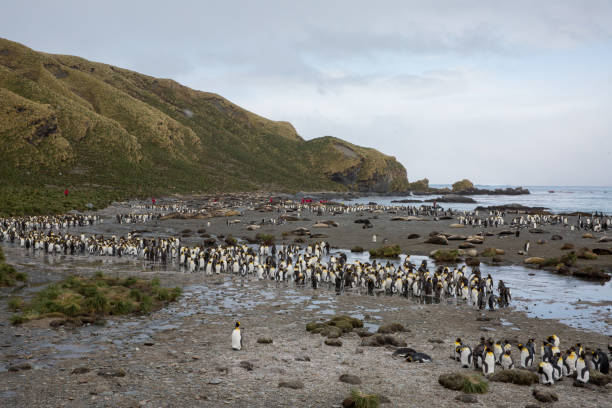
x,y
500,92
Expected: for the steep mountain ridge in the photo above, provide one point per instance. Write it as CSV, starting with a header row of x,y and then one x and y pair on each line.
x,y
67,121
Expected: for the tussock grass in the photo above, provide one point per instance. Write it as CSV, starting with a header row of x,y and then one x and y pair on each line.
x,y
388,251
363,400
8,274
99,295
450,256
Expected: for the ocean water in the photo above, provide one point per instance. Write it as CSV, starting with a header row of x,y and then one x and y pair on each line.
x,y
559,199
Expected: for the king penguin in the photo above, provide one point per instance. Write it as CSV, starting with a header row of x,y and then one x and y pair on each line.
x,y
545,370
488,363
582,372
237,337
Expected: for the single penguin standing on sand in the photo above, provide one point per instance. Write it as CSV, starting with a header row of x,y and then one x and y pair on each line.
x,y
526,248
237,337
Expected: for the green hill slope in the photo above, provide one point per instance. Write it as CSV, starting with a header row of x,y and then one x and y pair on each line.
x,y
108,133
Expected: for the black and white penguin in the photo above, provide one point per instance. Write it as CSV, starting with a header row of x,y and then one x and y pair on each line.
x,y
569,363
488,362
418,358
526,356
545,370
582,372
557,364
526,248
498,351
403,352
601,361
457,349
237,337
506,360
554,340
465,353
479,353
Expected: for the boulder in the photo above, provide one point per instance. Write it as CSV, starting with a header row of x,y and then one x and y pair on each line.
x,y
247,365
333,342
467,398
472,261
456,238
119,372
585,253
466,245
301,231
544,395
293,384
471,252
391,328
264,340
437,240
602,251
599,379
567,246
380,340
350,379
592,273
534,260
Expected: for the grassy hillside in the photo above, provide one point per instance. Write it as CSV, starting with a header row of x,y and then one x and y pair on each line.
x,y
109,133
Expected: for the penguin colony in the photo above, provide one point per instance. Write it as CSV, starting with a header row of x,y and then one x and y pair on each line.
x,y
477,219
554,364
279,263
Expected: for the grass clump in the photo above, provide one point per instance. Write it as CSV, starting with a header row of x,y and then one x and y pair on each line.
x,y
442,255
471,384
362,400
265,239
8,275
475,384
387,251
550,262
335,327
518,377
569,259
79,297
489,253
15,303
